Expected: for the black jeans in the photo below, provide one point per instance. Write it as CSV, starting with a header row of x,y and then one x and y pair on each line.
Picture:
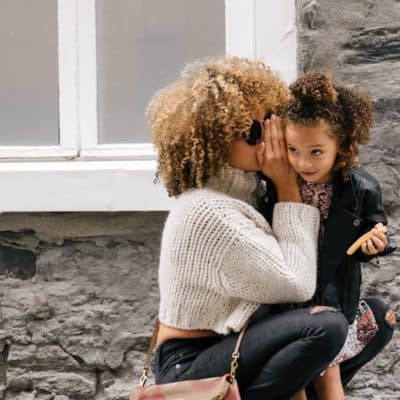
x,y
279,354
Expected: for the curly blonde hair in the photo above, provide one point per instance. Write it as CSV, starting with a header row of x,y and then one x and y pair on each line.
x,y
194,120
348,111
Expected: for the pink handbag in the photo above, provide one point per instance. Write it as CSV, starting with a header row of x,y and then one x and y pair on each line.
x,y
219,388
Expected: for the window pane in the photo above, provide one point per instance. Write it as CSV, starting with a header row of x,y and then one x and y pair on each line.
x,y
28,73
141,46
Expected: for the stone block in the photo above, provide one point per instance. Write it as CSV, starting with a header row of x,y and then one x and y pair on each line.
x,y
34,357
17,262
80,385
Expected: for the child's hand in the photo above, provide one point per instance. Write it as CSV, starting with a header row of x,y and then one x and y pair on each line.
x,y
377,243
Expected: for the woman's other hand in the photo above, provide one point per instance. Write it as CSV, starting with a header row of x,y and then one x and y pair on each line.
x,y
273,161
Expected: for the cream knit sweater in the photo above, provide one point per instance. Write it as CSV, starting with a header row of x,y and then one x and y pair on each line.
x,y
220,259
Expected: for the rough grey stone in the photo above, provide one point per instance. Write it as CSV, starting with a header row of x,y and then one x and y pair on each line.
x,y
77,385
17,262
3,344
2,391
26,396
374,45
118,391
83,324
34,357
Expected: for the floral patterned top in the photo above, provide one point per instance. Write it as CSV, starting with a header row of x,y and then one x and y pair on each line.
x,y
318,195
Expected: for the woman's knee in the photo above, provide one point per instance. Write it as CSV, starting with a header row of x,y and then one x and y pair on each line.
x,y
334,327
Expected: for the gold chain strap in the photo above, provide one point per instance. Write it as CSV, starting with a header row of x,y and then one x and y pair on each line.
x,y
143,379
234,365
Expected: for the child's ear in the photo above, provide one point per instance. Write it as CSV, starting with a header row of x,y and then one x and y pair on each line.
x,y
340,160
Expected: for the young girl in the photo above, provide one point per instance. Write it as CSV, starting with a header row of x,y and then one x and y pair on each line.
x,y
324,124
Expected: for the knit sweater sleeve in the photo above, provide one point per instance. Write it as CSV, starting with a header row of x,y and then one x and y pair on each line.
x,y
275,266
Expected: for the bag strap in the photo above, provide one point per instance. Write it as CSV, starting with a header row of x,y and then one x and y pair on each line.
x,y
236,354
234,358
149,355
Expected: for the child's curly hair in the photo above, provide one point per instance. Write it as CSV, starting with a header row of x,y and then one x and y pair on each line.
x,y
194,120
349,112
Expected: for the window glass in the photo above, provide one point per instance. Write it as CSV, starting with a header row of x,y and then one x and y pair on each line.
x,y
29,73
141,46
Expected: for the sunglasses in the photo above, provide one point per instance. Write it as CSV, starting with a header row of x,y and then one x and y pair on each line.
x,y
255,135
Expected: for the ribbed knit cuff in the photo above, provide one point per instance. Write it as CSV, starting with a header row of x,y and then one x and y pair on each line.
x,y
291,213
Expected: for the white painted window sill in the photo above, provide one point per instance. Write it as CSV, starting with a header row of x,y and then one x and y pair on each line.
x,y
81,186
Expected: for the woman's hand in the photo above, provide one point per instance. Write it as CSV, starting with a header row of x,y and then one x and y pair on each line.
x,y
273,161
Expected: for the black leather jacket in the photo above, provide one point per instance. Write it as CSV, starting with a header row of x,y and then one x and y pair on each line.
x,y
356,207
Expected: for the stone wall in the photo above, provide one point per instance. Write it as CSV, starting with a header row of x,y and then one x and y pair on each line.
x,y
78,298
359,41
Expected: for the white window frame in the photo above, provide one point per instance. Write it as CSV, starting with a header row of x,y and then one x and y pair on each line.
x,y
83,175
68,123
89,145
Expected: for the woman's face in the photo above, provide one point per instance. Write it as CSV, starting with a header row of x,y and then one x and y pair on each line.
x,y
243,155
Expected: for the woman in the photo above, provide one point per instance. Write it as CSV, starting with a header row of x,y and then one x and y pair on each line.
x,y
220,260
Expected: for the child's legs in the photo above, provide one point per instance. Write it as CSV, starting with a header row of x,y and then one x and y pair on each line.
x,y
329,386
350,367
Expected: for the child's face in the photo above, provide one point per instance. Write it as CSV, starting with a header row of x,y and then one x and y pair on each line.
x,y
312,150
